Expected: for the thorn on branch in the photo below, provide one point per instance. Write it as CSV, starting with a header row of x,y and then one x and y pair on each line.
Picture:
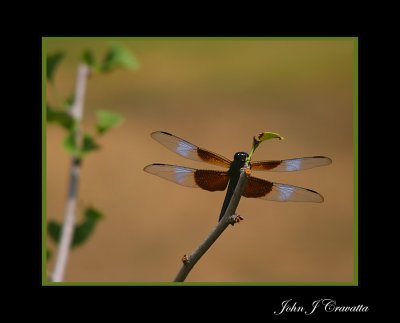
x,y
235,218
185,259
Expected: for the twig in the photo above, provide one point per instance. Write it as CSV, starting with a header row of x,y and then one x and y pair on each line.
x,y
228,218
67,233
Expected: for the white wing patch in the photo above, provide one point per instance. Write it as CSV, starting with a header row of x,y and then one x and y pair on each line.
x,y
180,174
286,192
293,164
290,165
184,148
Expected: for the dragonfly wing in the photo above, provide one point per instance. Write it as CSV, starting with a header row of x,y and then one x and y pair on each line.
x,y
188,150
290,165
210,180
263,189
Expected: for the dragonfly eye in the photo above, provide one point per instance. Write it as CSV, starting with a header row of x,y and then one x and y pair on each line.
x,y
241,156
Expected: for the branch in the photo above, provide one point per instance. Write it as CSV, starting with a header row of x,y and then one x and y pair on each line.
x,y
228,218
67,233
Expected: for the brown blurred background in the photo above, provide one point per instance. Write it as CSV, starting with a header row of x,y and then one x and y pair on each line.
x,y
216,94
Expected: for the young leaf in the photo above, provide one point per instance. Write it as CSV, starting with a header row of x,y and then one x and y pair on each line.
x,y
269,135
93,214
82,233
88,58
60,117
70,144
52,62
88,144
54,230
107,120
85,229
257,140
119,56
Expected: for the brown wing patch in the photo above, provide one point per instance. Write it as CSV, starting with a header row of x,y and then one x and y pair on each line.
x,y
265,165
257,187
211,180
212,158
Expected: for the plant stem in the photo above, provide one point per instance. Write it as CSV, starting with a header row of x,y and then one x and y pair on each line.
x,y
67,233
228,218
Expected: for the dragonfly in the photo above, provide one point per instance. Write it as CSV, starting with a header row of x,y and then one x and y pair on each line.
x,y
216,180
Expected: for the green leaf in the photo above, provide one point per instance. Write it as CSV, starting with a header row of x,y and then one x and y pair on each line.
x,y
257,140
268,135
52,62
119,56
88,58
85,229
88,144
107,120
60,117
82,233
93,214
70,144
54,230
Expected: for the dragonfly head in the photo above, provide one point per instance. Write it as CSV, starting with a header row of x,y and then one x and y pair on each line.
x,y
240,157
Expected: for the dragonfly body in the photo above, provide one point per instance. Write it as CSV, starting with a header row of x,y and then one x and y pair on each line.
x,y
214,180
234,173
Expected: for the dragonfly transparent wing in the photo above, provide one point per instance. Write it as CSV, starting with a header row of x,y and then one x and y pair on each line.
x,y
188,150
210,180
290,165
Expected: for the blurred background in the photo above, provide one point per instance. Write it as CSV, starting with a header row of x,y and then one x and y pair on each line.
x,y
216,94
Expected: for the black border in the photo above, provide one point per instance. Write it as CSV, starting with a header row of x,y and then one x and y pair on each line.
x,y
257,299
